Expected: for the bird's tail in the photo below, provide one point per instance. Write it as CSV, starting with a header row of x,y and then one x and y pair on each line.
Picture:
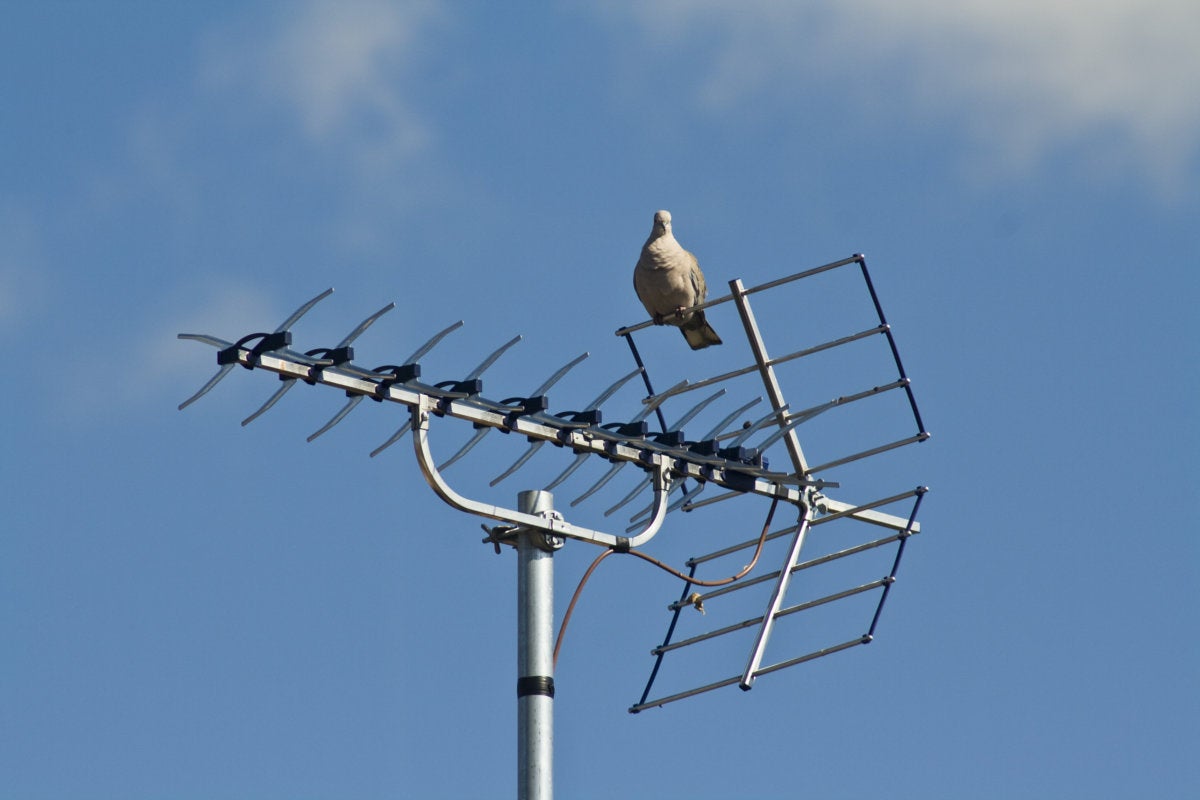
x,y
699,333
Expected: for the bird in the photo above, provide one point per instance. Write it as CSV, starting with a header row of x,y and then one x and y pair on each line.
x,y
668,280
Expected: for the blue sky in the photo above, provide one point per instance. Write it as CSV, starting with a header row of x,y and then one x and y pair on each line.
x,y
195,609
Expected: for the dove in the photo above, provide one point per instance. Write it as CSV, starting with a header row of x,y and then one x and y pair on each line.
x,y
668,280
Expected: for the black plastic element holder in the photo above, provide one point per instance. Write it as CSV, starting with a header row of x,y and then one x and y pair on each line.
x,y
468,387
395,374
266,343
527,405
670,439
592,416
335,356
637,429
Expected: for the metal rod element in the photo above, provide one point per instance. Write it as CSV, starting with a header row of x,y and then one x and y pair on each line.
x,y
362,326
762,287
747,623
535,446
535,653
206,388
696,409
904,536
770,382
284,388
774,362
563,370
611,390
912,400
646,411
338,417
906,530
487,362
354,401
634,492
712,433
520,462
815,562
225,368
662,466
834,509
758,424
676,607
837,648
781,586
593,406
717,430
874,451
809,413
637,518
472,375
424,349
598,485
637,359
342,346
416,356
475,439
662,701
302,310
685,419
569,471
395,437
740,546
712,500
433,401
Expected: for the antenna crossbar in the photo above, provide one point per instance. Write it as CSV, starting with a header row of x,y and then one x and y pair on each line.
x,y
814,562
858,258
662,701
783,612
590,440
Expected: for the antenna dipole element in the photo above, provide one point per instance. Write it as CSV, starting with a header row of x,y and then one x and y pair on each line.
x,y
535,650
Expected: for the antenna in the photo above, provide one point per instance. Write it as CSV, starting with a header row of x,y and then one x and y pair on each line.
x,y
733,458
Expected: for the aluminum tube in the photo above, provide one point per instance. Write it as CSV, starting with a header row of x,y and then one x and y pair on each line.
x,y
857,258
535,656
874,451
744,584
785,576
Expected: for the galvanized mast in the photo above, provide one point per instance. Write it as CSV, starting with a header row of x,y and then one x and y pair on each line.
x,y
535,651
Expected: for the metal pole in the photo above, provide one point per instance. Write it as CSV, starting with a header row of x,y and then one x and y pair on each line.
x,y
781,587
770,382
535,652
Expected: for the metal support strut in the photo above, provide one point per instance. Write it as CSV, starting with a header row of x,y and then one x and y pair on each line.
x,y
535,650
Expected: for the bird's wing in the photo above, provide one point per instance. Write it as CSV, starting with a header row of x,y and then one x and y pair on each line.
x,y
698,284
640,285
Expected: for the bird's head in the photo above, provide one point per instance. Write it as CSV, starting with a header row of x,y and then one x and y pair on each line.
x,y
662,222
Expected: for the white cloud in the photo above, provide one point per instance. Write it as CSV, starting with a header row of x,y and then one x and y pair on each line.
x,y
339,68
1027,76
159,367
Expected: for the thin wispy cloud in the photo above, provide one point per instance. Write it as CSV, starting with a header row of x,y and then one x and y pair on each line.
x,y
1027,78
340,69
160,367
